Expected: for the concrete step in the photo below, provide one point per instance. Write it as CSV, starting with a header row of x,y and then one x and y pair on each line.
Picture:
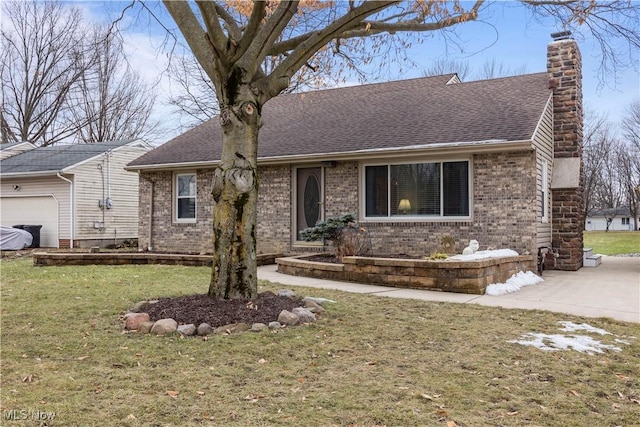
x,y
587,252
592,261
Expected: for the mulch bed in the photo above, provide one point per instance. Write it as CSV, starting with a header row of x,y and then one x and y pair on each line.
x,y
197,309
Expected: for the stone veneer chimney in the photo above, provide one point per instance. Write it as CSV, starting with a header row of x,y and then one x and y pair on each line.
x,y
564,69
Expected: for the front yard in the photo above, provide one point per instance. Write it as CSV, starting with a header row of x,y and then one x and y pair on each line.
x,y
368,361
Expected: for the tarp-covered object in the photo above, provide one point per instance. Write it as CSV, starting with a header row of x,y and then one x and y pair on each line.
x,y
12,239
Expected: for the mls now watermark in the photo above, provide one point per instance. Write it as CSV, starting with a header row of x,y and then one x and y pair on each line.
x,y
24,414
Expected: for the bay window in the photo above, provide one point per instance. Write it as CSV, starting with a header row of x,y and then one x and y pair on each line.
x,y
429,189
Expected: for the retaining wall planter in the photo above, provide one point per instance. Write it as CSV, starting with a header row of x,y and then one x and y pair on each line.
x,y
124,258
471,277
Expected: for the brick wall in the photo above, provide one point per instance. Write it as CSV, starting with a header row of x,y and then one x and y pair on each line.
x,y
503,209
564,69
274,210
504,188
168,236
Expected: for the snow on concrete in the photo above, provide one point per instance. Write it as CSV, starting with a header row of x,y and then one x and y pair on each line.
x,y
515,283
496,253
581,343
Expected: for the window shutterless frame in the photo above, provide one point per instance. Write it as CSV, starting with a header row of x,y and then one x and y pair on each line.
x,y
423,190
185,197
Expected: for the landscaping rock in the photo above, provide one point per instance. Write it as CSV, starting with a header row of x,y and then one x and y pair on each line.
x,y
288,318
320,301
233,328
259,327
187,330
164,326
286,293
137,307
145,327
205,329
304,315
275,325
314,307
133,320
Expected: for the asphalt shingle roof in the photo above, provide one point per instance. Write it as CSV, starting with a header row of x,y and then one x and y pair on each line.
x,y
379,116
55,158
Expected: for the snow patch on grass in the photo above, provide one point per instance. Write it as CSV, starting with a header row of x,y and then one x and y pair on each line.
x,y
580,343
556,342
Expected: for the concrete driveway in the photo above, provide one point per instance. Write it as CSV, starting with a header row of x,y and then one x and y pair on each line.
x,y
609,290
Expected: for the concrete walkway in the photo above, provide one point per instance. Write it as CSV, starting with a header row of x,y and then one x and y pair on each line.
x,y
609,290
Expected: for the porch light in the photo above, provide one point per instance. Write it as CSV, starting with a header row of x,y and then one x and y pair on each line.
x,y
404,206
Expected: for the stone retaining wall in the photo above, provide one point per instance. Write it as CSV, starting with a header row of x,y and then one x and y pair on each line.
x,y
471,277
120,258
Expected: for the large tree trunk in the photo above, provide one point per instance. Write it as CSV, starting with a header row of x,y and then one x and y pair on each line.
x,y
235,192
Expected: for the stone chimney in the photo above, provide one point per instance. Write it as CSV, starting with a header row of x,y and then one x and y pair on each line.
x,y
564,68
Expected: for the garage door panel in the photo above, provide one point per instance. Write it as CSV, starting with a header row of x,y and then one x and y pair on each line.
x,y
40,210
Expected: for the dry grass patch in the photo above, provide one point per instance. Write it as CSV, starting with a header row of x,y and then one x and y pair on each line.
x,y
370,361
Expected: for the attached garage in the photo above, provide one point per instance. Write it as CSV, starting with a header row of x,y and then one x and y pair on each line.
x,y
33,210
80,194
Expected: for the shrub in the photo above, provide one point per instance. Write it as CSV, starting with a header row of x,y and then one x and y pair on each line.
x,y
342,231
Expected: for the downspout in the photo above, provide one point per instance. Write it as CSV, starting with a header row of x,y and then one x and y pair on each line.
x,y
151,203
150,246
71,231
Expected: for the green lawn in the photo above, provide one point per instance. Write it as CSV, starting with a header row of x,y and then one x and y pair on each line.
x,y
613,242
369,361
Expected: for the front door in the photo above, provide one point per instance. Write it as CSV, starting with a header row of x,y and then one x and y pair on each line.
x,y
309,199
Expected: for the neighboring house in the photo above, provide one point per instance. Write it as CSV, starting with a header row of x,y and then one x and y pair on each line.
x,y
617,219
80,194
11,149
416,160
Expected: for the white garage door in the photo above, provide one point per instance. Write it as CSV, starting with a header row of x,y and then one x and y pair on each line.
x,y
32,211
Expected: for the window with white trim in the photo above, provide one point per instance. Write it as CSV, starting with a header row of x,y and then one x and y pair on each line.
x,y
425,190
625,221
185,197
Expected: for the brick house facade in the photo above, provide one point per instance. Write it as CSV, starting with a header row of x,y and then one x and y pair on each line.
x,y
493,222
501,131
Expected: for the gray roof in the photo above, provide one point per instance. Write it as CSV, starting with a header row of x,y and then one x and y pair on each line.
x,y
382,116
619,211
54,158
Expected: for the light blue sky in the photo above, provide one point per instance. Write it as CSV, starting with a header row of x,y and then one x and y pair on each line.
x,y
507,34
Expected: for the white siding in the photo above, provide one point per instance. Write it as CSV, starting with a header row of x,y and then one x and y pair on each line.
x,y
104,178
599,223
51,186
15,149
543,143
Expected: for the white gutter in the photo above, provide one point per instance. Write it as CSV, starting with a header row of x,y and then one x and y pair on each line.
x,y
71,236
29,174
486,146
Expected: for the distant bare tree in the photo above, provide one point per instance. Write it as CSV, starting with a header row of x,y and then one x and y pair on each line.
x,y
114,103
43,56
597,143
195,97
447,66
630,161
490,69
609,194
63,81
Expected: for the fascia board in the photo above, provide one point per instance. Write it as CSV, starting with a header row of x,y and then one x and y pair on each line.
x,y
490,146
